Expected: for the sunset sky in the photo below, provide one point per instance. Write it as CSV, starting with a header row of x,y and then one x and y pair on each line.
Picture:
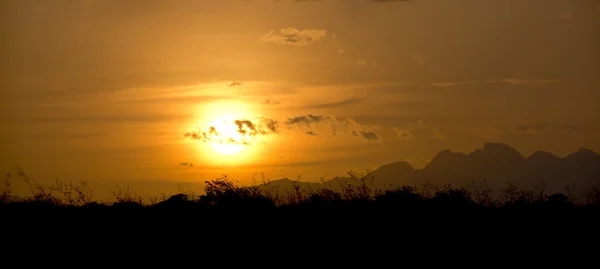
x,y
106,90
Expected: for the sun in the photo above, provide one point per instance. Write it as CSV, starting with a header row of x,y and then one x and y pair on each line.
x,y
228,140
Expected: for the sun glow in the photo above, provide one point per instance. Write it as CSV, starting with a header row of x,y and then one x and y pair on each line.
x,y
228,140
226,135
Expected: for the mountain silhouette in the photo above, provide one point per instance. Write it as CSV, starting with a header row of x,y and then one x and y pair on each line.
x,y
496,163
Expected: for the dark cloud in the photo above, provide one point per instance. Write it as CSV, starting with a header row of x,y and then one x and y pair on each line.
x,y
369,135
203,136
366,135
245,127
306,120
234,83
264,127
186,164
350,101
270,125
312,133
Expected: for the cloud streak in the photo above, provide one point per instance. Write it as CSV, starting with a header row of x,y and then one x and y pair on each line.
x,y
412,131
294,37
512,81
235,83
346,102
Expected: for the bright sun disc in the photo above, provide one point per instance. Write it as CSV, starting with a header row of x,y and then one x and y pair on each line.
x,y
225,141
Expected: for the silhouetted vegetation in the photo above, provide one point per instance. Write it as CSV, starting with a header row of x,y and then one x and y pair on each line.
x,y
226,193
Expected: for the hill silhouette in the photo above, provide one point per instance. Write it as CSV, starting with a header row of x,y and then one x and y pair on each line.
x,y
497,163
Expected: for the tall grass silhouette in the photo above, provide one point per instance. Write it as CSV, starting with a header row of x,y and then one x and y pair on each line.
x,y
356,192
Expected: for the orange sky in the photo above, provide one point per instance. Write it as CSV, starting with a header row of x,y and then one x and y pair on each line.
x,y
104,91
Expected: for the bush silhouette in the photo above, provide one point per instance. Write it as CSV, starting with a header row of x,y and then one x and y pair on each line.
x,y
226,193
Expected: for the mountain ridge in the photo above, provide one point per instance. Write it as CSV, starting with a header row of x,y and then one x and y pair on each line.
x,y
497,163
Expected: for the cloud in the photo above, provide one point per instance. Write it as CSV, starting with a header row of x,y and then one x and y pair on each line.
x,y
366,135
412,131
264,127
295,37
245,128
404,133
186,164
125,117
513,81
346,102
306,120
443,84
312,133
351,126
234,83
203,136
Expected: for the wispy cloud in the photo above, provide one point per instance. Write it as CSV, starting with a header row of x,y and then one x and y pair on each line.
x,y
295,37
110,118
519,81
512,81
443,84
346,102
338,126
418,130
234,83
404,133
